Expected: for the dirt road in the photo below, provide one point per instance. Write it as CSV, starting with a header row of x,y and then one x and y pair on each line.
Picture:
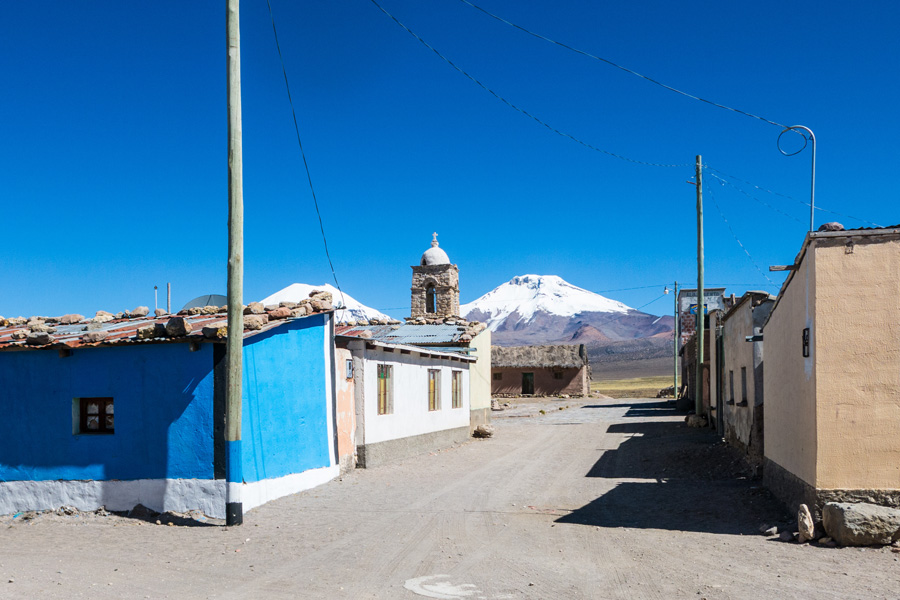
x,y
612,499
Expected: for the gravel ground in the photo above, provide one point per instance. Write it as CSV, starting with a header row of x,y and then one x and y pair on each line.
x,y
589,499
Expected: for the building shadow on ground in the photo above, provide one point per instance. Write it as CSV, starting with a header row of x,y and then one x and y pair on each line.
x,y
675,478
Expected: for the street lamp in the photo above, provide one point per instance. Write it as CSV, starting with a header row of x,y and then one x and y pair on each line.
x,y
675,337
811,138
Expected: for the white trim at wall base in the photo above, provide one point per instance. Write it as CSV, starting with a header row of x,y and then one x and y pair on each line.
x,y
178,495
259,492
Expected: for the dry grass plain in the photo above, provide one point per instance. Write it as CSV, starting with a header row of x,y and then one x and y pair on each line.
x,y
635,387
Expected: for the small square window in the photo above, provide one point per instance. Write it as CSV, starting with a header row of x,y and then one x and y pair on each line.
x,y
96,416
498,376
349,368
557,375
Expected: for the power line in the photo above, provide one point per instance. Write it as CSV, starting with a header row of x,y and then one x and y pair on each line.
x,y
755,199
734,235
303,155
618,66
762,189
513,106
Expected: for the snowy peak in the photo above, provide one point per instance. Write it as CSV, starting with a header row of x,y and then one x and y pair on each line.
x,y
348,309
524,296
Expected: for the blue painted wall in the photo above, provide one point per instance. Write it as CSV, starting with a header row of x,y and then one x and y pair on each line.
x,y
284,418
163,401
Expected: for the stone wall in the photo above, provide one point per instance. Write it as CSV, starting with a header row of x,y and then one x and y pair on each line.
x,y
445,279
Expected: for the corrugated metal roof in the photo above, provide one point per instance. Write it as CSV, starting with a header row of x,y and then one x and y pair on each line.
x,y
124,331
407,334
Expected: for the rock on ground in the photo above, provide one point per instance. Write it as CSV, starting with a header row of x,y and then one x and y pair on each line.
x,y
805,525
861,524
483,431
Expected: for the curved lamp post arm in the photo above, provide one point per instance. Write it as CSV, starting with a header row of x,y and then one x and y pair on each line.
x,y
812,193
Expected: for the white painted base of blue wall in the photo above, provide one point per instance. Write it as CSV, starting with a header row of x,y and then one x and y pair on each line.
x,y
259,492
179,495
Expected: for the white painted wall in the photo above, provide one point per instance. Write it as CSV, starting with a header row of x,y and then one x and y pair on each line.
x,y
410,380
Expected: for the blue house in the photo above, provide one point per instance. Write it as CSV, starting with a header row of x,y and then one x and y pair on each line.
x,y
131,411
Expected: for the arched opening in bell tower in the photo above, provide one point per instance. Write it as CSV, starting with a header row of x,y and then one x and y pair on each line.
x,y
430,298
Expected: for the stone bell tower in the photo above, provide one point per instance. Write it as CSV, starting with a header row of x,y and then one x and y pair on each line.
x,y
435,285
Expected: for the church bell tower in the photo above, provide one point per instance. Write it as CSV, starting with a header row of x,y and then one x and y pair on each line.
x,y
435,285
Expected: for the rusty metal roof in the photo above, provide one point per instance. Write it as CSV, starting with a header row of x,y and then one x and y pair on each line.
x,y
124,331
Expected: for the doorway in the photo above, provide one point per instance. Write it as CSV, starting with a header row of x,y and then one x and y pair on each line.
x,y
527,384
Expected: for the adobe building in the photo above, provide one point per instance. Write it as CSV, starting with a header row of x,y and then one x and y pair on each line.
x,y
832,388
540,371
739,348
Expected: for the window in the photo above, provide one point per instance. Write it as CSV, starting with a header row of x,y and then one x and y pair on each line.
x,y
96,416
744,386
385,390
498,376
731,387
434,389
557,374
349,368
457,389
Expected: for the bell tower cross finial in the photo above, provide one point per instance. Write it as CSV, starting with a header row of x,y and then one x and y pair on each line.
x,y
434,241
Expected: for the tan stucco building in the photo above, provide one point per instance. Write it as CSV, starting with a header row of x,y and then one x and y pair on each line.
x,y
832,372
740,372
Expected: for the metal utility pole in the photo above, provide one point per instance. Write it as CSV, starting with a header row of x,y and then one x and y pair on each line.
x,y
234,512
155,297
698,393
169,298
677,338
812,186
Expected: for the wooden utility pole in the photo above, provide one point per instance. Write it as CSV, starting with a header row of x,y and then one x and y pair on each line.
x,y
698,393
234,511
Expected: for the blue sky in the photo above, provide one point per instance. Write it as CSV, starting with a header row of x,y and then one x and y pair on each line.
x,y
114,167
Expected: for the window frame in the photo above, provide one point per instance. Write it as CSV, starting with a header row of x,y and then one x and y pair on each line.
x,y
434,390
105,402
456,400
498,376
385,394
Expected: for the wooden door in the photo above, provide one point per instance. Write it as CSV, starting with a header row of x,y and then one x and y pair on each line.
x,y
527,384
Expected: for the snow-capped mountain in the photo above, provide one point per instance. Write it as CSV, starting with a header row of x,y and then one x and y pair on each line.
x,y
526,295
540,309
353,310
